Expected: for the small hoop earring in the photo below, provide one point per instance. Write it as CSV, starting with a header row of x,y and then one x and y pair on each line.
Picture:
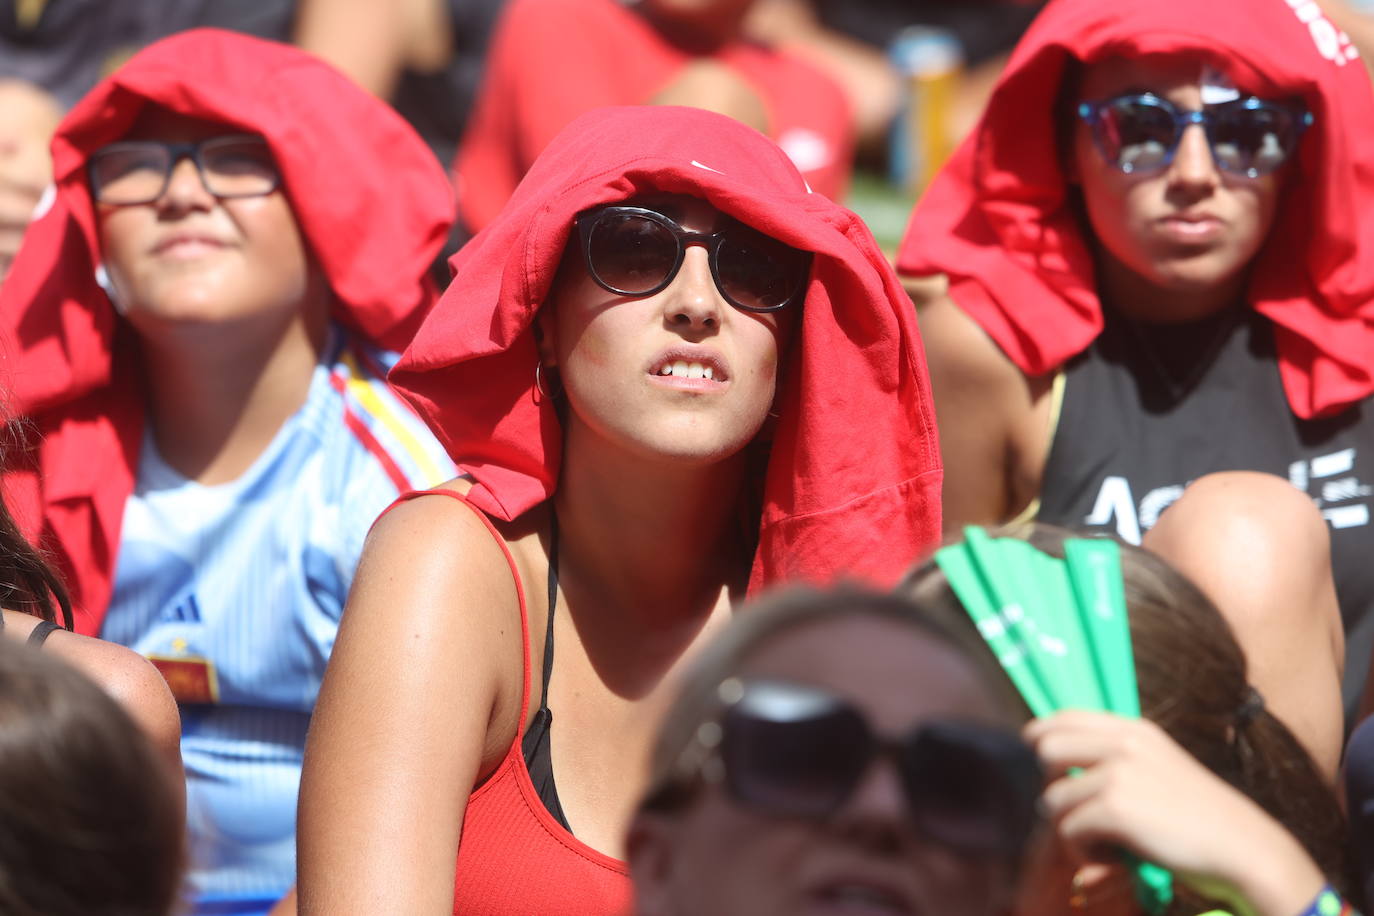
x,y
539,384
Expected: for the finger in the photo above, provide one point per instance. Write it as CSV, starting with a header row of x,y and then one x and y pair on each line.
x,y
1060,751
1096,823
1071,720
1068,792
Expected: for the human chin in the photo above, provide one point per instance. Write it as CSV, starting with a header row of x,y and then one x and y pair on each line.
x,y
1193,272
700,437
190,294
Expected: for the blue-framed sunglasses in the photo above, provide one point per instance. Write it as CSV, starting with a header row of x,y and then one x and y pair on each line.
x,y
1140,133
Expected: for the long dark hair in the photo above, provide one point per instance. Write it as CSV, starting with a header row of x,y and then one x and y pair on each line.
x,y
1193,683
89,820
27,582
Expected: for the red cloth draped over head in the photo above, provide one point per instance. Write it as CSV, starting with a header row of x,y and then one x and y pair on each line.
x,y
853,478
372,203
997,219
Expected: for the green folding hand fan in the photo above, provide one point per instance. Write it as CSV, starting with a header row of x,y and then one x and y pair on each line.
x,y
1059,629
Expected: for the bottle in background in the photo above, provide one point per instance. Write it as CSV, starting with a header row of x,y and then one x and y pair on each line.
x,y
931,61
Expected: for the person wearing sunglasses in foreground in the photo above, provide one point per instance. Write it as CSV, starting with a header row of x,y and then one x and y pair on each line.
x,y
1155,245
837,752
1208,783
672,376
198,327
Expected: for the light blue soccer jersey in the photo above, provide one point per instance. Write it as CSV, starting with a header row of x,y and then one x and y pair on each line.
x,y
235,591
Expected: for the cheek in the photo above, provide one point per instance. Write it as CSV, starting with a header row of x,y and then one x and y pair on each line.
x,y
1259,206
732,861
591,341
120,232
270,233
763,339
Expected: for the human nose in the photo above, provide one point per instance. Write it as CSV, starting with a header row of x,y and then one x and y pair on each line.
x,y
693,300
1193,165
876,812
185,189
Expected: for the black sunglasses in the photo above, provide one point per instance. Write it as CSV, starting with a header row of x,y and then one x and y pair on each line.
x,y
138,171
1249,137
635,251
791,750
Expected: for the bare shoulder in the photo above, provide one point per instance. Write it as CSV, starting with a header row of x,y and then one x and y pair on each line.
x,y
436,538
435,589
993,419
960,353
128,677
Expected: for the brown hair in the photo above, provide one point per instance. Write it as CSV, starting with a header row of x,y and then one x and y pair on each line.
x,y
781,613
89,822
1193,683
27,582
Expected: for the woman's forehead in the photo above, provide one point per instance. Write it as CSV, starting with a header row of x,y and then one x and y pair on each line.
x,y
895,671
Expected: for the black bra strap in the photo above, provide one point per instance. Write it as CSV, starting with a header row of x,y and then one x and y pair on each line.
x,y
39,634
553,603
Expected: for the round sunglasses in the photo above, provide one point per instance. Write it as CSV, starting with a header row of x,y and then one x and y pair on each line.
x,y
635,251
1249,137
791,750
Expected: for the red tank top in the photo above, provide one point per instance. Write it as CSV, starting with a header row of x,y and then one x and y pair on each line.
x,y
515,859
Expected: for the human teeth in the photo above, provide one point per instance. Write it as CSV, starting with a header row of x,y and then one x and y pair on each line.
x,y
708,372
666,370
695,371
680,369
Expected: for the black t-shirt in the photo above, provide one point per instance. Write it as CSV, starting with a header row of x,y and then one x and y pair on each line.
x,y
1148,409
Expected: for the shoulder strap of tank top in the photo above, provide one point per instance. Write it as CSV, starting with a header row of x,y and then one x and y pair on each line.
x,y
553,603
519,592
39,634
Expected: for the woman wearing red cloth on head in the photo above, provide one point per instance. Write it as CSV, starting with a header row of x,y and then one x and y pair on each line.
x,y
1156,249
673,376
198,329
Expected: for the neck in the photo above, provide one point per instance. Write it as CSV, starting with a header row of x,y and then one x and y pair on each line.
x,y
650,546
1136,298
219,393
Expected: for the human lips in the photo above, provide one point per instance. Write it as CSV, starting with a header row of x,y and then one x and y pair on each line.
x,y
188,244
1191,227
861,892
689,367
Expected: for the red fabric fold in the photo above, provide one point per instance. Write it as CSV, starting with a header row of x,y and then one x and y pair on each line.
x,y
853,479
996,219
372,202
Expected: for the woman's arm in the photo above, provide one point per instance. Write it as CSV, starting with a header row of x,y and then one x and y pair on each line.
x,y
419,699
993,420
1138,790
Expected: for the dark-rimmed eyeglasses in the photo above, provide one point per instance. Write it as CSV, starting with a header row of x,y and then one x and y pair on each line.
x,y
635,251
138,171
1249,137
796,751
